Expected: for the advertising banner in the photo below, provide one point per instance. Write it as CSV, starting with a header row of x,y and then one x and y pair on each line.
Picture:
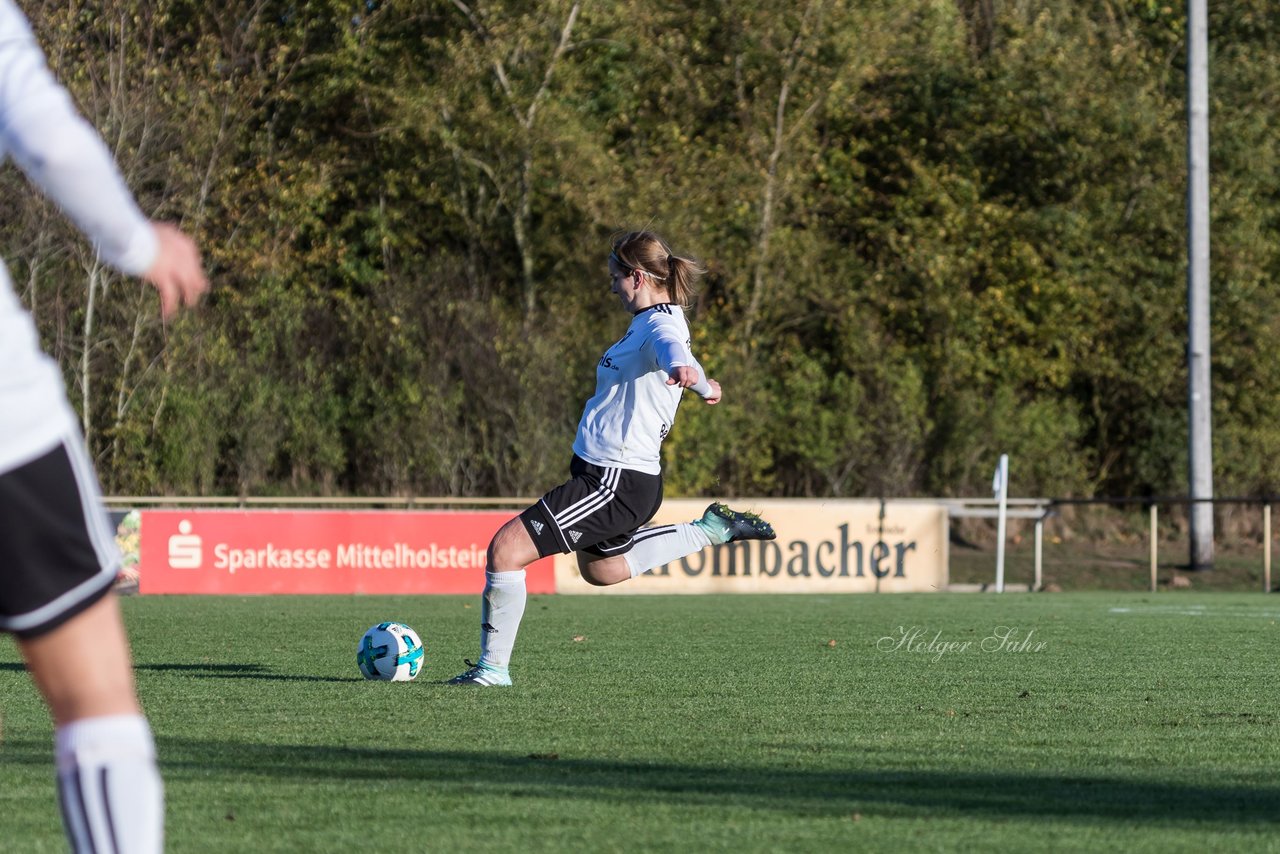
x,y
823,546
276,551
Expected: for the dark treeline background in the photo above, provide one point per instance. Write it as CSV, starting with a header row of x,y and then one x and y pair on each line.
x,y
936,231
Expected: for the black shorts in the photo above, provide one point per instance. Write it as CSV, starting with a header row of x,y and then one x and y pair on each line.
x,y
57,554
596,511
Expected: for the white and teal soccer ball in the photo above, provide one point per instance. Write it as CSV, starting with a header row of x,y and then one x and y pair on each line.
x,y
390,652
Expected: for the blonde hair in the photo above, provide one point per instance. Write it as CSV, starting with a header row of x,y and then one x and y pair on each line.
x,y
650,254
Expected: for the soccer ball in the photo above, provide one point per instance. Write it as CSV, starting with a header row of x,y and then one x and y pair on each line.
x,y
391,652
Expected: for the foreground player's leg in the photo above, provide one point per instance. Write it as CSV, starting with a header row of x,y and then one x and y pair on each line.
x,y
108,783
661,545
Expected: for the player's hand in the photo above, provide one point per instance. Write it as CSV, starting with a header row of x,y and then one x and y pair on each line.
x,y
683,376
686,377
176,272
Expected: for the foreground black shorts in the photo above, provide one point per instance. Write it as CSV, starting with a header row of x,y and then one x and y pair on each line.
x,y
57,554
596,511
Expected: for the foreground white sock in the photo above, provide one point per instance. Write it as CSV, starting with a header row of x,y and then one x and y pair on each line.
x,y
500,614
109,785
652,547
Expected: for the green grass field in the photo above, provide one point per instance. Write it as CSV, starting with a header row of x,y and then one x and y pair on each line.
x,y
1110,721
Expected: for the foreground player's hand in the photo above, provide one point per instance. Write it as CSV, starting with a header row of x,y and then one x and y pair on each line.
x,y
176,272
714,397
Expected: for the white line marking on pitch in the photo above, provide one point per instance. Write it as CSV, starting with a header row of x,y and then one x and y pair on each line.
x,y
1197,611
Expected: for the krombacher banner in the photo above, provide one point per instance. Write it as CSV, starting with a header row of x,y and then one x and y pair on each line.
x,y
823,546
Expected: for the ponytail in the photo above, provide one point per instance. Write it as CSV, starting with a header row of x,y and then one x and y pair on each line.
x,y
683,272
650,254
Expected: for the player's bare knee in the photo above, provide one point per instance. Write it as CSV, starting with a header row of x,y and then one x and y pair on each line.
x,y
511,549
501,556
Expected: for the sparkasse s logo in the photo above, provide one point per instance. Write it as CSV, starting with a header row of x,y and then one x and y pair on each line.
x,y
185,551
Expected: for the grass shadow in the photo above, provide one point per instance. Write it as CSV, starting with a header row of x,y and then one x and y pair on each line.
x,y
213,671
237,671
890,791
205,668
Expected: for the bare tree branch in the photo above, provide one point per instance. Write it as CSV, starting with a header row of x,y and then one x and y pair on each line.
x,y
791,67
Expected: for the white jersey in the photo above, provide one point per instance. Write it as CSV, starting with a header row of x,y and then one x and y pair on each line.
x,y
633,409
41,130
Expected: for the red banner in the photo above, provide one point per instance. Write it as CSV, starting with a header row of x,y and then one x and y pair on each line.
x,y
269,551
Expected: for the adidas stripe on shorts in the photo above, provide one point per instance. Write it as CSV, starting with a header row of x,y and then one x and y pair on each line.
x,y
57,553
597,510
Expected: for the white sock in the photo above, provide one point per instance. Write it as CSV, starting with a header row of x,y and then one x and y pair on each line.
x,y
500,613
655,546
109,785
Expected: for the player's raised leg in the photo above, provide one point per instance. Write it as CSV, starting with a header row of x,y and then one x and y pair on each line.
x,y
718,525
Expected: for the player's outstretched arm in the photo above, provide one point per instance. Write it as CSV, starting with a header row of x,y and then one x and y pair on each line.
x,y
672,353
65,157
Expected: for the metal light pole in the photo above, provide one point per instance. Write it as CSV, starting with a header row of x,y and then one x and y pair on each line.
x,y
1200,421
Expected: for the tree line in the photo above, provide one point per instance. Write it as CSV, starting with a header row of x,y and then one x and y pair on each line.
x,y
935,231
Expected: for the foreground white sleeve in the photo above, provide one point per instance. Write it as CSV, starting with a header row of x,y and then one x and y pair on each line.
x,y
63,155
672,352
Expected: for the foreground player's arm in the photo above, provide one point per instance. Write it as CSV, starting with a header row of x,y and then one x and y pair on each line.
x,y
682,368
64,156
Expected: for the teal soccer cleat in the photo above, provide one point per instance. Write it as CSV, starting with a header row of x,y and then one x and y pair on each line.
x,y
724,525
482,676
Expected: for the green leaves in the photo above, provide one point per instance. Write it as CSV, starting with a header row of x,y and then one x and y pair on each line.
x,y
934,232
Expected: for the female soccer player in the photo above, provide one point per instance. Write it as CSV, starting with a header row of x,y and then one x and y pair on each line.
x,y
57,557
615,483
